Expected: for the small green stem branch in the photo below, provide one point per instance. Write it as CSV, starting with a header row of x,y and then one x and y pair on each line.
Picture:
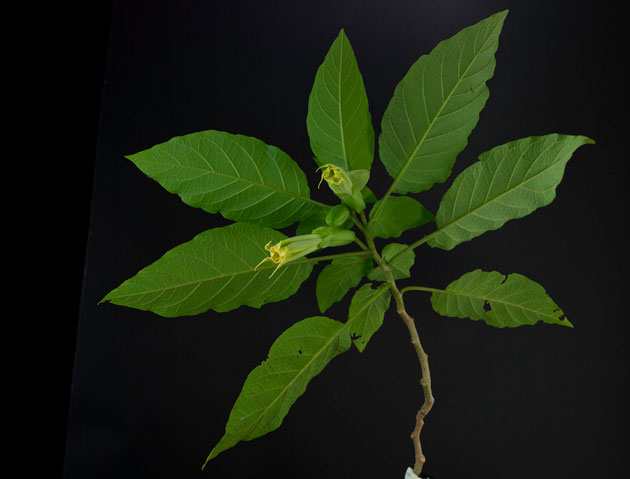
x,y
422,288
361,244
357,222
317,259
425,381
413,246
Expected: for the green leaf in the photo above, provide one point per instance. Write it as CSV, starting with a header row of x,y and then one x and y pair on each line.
x,y
400,264
338,121
297,356
498,301
337,216
215,270
368,195
337,278
437,105
315,220
397,215
366,314
240,177
508,182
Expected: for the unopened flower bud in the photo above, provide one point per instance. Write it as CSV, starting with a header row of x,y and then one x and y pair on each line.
x,y
346,185
337,216
334,236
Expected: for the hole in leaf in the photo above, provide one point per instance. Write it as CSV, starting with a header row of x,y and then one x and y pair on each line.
x,y
486,306
299,351
355,336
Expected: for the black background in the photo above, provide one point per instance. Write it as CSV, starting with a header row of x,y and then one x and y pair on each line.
x,y
150,396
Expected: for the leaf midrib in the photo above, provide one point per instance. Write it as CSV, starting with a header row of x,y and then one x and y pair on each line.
x,y
223,276
239,178
227,275
343,327
343,137
501,195
487,298
432,123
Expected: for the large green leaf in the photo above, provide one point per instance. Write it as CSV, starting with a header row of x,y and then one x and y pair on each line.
x,y
366,314
508,182
500,302
400,264
298,355
338,277
215,270
338,121
397,215
437,105
238,176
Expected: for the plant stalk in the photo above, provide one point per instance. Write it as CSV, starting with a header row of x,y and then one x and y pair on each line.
x,y
425,381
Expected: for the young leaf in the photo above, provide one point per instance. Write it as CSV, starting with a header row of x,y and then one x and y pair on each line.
x,y
337,216
337,278
238,176
368,195
315,220
508,182
298,355
215,270
400,264
397,215
338,121
500,302
437,105
366,314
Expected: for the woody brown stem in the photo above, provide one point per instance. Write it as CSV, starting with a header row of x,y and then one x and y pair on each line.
x,y
425,381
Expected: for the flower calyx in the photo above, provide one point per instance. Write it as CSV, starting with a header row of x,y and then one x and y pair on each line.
x,y
290,249
347,185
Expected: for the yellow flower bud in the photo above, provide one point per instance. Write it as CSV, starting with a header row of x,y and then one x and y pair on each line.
x,y
346,185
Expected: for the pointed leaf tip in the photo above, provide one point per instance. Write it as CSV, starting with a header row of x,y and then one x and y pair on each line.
x,y
436,106
339,123
508,182
215,270
498,300
295,358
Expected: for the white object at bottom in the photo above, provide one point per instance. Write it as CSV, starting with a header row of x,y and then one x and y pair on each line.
x,y
410,474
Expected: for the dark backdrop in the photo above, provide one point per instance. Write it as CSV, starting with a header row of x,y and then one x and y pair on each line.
x,y
150,396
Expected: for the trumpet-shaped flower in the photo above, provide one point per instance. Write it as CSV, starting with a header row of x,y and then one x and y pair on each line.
x,y
290,249
296,247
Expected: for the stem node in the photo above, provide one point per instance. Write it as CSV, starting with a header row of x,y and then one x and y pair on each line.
x,y
425,381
